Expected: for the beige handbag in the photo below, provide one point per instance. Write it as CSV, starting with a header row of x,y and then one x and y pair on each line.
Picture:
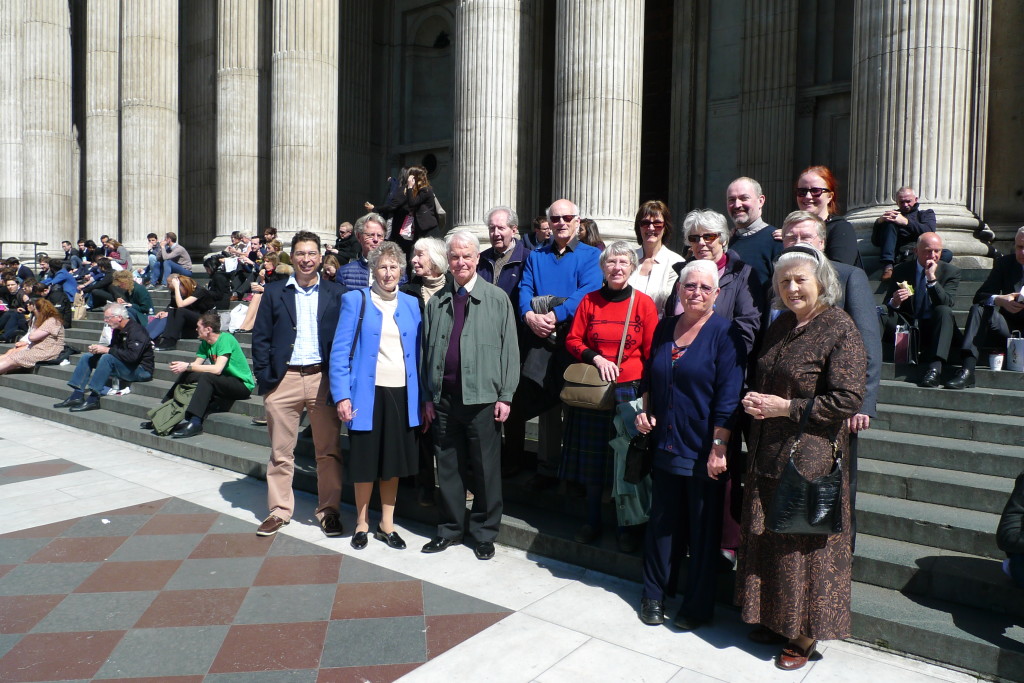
x,y
584,387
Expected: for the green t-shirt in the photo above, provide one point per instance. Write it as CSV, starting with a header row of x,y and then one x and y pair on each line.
x,y
238,364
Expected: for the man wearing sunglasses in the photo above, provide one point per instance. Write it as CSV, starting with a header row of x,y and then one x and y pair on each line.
x,y
752,238
556,278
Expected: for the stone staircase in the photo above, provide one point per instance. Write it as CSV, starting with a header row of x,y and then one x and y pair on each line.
x,y
935,471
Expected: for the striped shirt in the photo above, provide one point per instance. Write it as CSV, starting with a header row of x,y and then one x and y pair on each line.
x,y
307,343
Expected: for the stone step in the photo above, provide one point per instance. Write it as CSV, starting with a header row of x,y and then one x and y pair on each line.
x,y
974,639
985,378
998,460
966,490
986,401
937,526
948,575
1004,429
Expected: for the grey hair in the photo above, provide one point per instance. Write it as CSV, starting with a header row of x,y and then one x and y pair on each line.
x,y
1020,231
619,248
829,289
709,219
905,188
797,217
385,250
120,310
463,236
513,217
575,209
754,185
372,217
435,251
699,266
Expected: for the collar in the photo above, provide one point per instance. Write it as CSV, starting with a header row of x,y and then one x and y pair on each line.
x,y
315,287
912,209
469,285
511,248
569,246
752,228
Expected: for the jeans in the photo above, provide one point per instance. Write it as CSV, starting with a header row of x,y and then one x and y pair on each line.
x,y
95,370
172,267
153,270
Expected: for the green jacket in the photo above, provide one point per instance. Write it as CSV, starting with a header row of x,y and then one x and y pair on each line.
x,y
488,349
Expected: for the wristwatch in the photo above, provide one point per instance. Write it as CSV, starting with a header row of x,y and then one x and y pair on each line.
x,y
718,442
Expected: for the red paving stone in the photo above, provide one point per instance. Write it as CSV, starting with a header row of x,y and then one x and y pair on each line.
x,y
149,508
378,600
58,656
129,576
271,647
382,673
230,545
19,613
156,679
298,570
38,469
445,631
178,524
75,549
47,531
205,607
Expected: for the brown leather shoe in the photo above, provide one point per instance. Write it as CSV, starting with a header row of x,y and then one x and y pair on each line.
x,y
271,525
792,658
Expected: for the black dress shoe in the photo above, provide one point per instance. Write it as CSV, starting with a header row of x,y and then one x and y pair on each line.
x,y
484,551
963,380
86,405
439,544
393,539
687,623
358,540
652,612
148,424
930,379
70,402
190,429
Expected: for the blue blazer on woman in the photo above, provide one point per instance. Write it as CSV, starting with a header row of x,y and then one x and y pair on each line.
x,y
700,393
357,380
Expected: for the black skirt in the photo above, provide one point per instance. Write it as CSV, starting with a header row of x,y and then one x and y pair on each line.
x,y
389,449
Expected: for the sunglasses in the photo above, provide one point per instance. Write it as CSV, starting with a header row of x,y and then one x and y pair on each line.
x,y
813,191
563,219
708,237
691,288
645,223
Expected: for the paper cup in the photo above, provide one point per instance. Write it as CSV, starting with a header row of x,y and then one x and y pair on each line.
x,y
996,360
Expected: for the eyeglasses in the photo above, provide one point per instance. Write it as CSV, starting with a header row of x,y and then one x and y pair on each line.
x,y
708,237
111,317
305,254
648,223
563,219
691,288
813,191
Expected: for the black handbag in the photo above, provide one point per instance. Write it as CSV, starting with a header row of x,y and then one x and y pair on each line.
x,y
639,459
807,507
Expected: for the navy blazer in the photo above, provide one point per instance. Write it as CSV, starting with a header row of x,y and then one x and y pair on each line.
x,y
1006,276
511,274
273,333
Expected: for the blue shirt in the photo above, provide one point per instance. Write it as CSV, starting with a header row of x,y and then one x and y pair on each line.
x,y
307,345
573,274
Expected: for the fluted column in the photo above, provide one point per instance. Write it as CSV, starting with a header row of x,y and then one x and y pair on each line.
x,y
598,107
237,119
150,134
102,62
919,83
304,129
768,99
46,112
10,120
356,182
488,111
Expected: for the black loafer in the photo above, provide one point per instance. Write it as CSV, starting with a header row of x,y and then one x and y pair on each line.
x,y
359,540
70,402
963,380
652,612
930,380
393,539
687,623
484,551
148,424
439,544
190,429
85,406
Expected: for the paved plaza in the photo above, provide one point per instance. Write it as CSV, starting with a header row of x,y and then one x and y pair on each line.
x,y
118,562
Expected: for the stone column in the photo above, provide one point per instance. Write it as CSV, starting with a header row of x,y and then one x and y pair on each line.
x,y
150,134
304,128
768,101
919,81
237,119
489,66
46,112
10,120
598,99
102,102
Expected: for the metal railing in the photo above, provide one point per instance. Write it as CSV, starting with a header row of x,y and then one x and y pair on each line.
x,y
35,250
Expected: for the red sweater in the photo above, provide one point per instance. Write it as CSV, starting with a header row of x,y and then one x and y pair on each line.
x,y
597,330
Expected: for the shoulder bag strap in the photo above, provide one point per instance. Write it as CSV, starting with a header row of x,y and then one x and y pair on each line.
x,y
359,326
625,328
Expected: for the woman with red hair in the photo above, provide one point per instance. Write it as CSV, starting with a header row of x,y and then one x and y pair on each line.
x,y
817,191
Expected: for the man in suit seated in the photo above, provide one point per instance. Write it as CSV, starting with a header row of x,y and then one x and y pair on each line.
x,y
998,310
923,291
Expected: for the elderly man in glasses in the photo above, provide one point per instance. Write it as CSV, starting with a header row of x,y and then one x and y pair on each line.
x,y
556,278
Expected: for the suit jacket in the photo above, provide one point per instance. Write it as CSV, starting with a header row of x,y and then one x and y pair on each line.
x,y
273,333
1006,276
859,303
947,280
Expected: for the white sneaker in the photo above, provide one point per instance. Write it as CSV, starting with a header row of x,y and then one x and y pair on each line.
x,y
121,392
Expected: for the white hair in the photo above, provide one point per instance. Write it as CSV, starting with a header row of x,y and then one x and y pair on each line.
x,y
700,266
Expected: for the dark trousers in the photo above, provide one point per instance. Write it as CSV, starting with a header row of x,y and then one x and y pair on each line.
x,y
686,514
467,441
180,321
992,326
529,401
12,324
937,333
213,392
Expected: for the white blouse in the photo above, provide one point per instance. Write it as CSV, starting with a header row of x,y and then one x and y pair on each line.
x,y
659,282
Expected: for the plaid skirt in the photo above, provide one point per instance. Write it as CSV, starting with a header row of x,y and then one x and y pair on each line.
x,y
586,455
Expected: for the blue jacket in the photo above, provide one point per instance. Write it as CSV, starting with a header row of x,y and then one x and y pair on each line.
x,y
355,274
273,333
356,380
573,276
700,393
65,280
511,274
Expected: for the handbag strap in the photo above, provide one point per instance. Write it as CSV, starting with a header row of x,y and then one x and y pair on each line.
x,y
625,328
359,326
800,432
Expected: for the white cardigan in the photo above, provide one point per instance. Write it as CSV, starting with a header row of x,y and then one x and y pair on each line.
x,y
662,278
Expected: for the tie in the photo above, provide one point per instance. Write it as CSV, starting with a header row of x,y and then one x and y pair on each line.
x,y
922,307
462,291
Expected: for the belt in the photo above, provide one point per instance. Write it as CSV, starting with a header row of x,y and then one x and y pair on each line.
x,y
305,369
